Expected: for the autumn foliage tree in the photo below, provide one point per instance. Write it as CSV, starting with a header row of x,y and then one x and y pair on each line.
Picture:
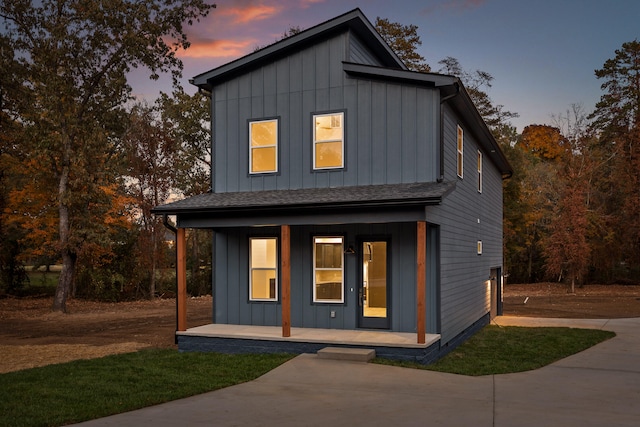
x,y
71,59
544,142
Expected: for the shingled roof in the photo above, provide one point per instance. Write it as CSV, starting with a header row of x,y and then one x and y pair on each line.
x,y
312,198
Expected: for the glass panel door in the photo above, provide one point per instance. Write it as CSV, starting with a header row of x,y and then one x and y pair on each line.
x,y
374,290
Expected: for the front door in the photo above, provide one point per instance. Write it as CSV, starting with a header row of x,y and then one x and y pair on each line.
x,y
373,292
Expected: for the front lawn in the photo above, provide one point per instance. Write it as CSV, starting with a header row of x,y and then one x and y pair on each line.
x,y
502,350
83,390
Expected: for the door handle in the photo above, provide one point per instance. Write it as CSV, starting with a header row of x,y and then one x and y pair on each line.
x,y
360,294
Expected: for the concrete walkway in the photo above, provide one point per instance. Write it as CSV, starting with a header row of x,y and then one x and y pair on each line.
x,y
598,387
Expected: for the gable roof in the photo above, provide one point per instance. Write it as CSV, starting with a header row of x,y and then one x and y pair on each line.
x,y
353,20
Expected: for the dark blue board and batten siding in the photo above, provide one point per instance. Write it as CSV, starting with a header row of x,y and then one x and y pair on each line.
x,y
231,278
466,217
390,129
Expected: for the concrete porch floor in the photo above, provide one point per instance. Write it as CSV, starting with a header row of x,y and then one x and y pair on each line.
x,y
313,335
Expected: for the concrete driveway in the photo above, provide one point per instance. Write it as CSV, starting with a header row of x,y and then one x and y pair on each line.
x,y
598,387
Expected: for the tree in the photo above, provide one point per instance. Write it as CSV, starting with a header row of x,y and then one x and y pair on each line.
x,y
71,60
150,152
476,84
188,120
544,142
616,122
404,41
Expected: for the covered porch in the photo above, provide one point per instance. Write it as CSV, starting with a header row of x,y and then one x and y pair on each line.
x,y
285,332
284,213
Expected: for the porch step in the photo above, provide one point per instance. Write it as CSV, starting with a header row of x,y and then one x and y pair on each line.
x,y
352,354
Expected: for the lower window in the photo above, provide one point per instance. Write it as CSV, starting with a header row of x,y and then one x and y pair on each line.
x,y
328,272
263,270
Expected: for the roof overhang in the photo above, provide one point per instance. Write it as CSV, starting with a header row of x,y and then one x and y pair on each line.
x,y
395,202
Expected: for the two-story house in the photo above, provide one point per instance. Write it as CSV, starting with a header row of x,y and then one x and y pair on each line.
x,y
353,202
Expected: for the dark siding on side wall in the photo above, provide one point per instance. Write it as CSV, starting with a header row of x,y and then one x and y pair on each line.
x,y
467,216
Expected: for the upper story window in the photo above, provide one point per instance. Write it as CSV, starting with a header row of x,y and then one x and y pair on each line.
x,y
479,171
328,273
460,152
328,141
263,269
263,146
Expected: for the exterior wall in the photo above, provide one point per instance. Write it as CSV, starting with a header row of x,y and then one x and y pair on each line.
x,y
465,217
231,277
360,54
390,129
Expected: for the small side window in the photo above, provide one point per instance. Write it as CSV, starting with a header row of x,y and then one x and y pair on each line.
x,y
460,154
479,171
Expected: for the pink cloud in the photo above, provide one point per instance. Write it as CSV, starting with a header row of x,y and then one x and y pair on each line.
x,y
218,48
243,14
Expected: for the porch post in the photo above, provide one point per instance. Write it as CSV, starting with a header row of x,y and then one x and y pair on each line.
x,y
421,281
285,272
181,271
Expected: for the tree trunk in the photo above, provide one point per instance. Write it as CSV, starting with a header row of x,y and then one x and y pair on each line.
x,y
68,256
154,257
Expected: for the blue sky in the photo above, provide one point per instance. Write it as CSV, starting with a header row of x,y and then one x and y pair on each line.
x,y
541,53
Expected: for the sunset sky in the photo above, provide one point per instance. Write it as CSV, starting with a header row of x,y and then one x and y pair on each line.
x,y
542,54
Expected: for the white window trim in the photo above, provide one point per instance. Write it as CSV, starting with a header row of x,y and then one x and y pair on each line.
x,y
480,161
326,301
479,247
460,152
263,146
251,269
315,141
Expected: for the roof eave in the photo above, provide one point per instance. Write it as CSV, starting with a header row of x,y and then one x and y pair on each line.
x,y
298,208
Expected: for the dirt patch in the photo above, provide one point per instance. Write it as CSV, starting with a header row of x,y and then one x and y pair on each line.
x,y
556,300
33,336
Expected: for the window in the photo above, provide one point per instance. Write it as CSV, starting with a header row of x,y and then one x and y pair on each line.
x,y
328,253
479,172
460,158
328,141
263,269
263,146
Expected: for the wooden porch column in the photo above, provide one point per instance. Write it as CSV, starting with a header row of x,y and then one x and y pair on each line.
x,y
285,273
181,271
421,281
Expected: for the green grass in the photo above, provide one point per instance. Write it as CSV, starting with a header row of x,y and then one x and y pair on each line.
x,y
40,283
502,350
87,389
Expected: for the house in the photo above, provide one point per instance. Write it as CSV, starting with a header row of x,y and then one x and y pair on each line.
x,y
353,202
